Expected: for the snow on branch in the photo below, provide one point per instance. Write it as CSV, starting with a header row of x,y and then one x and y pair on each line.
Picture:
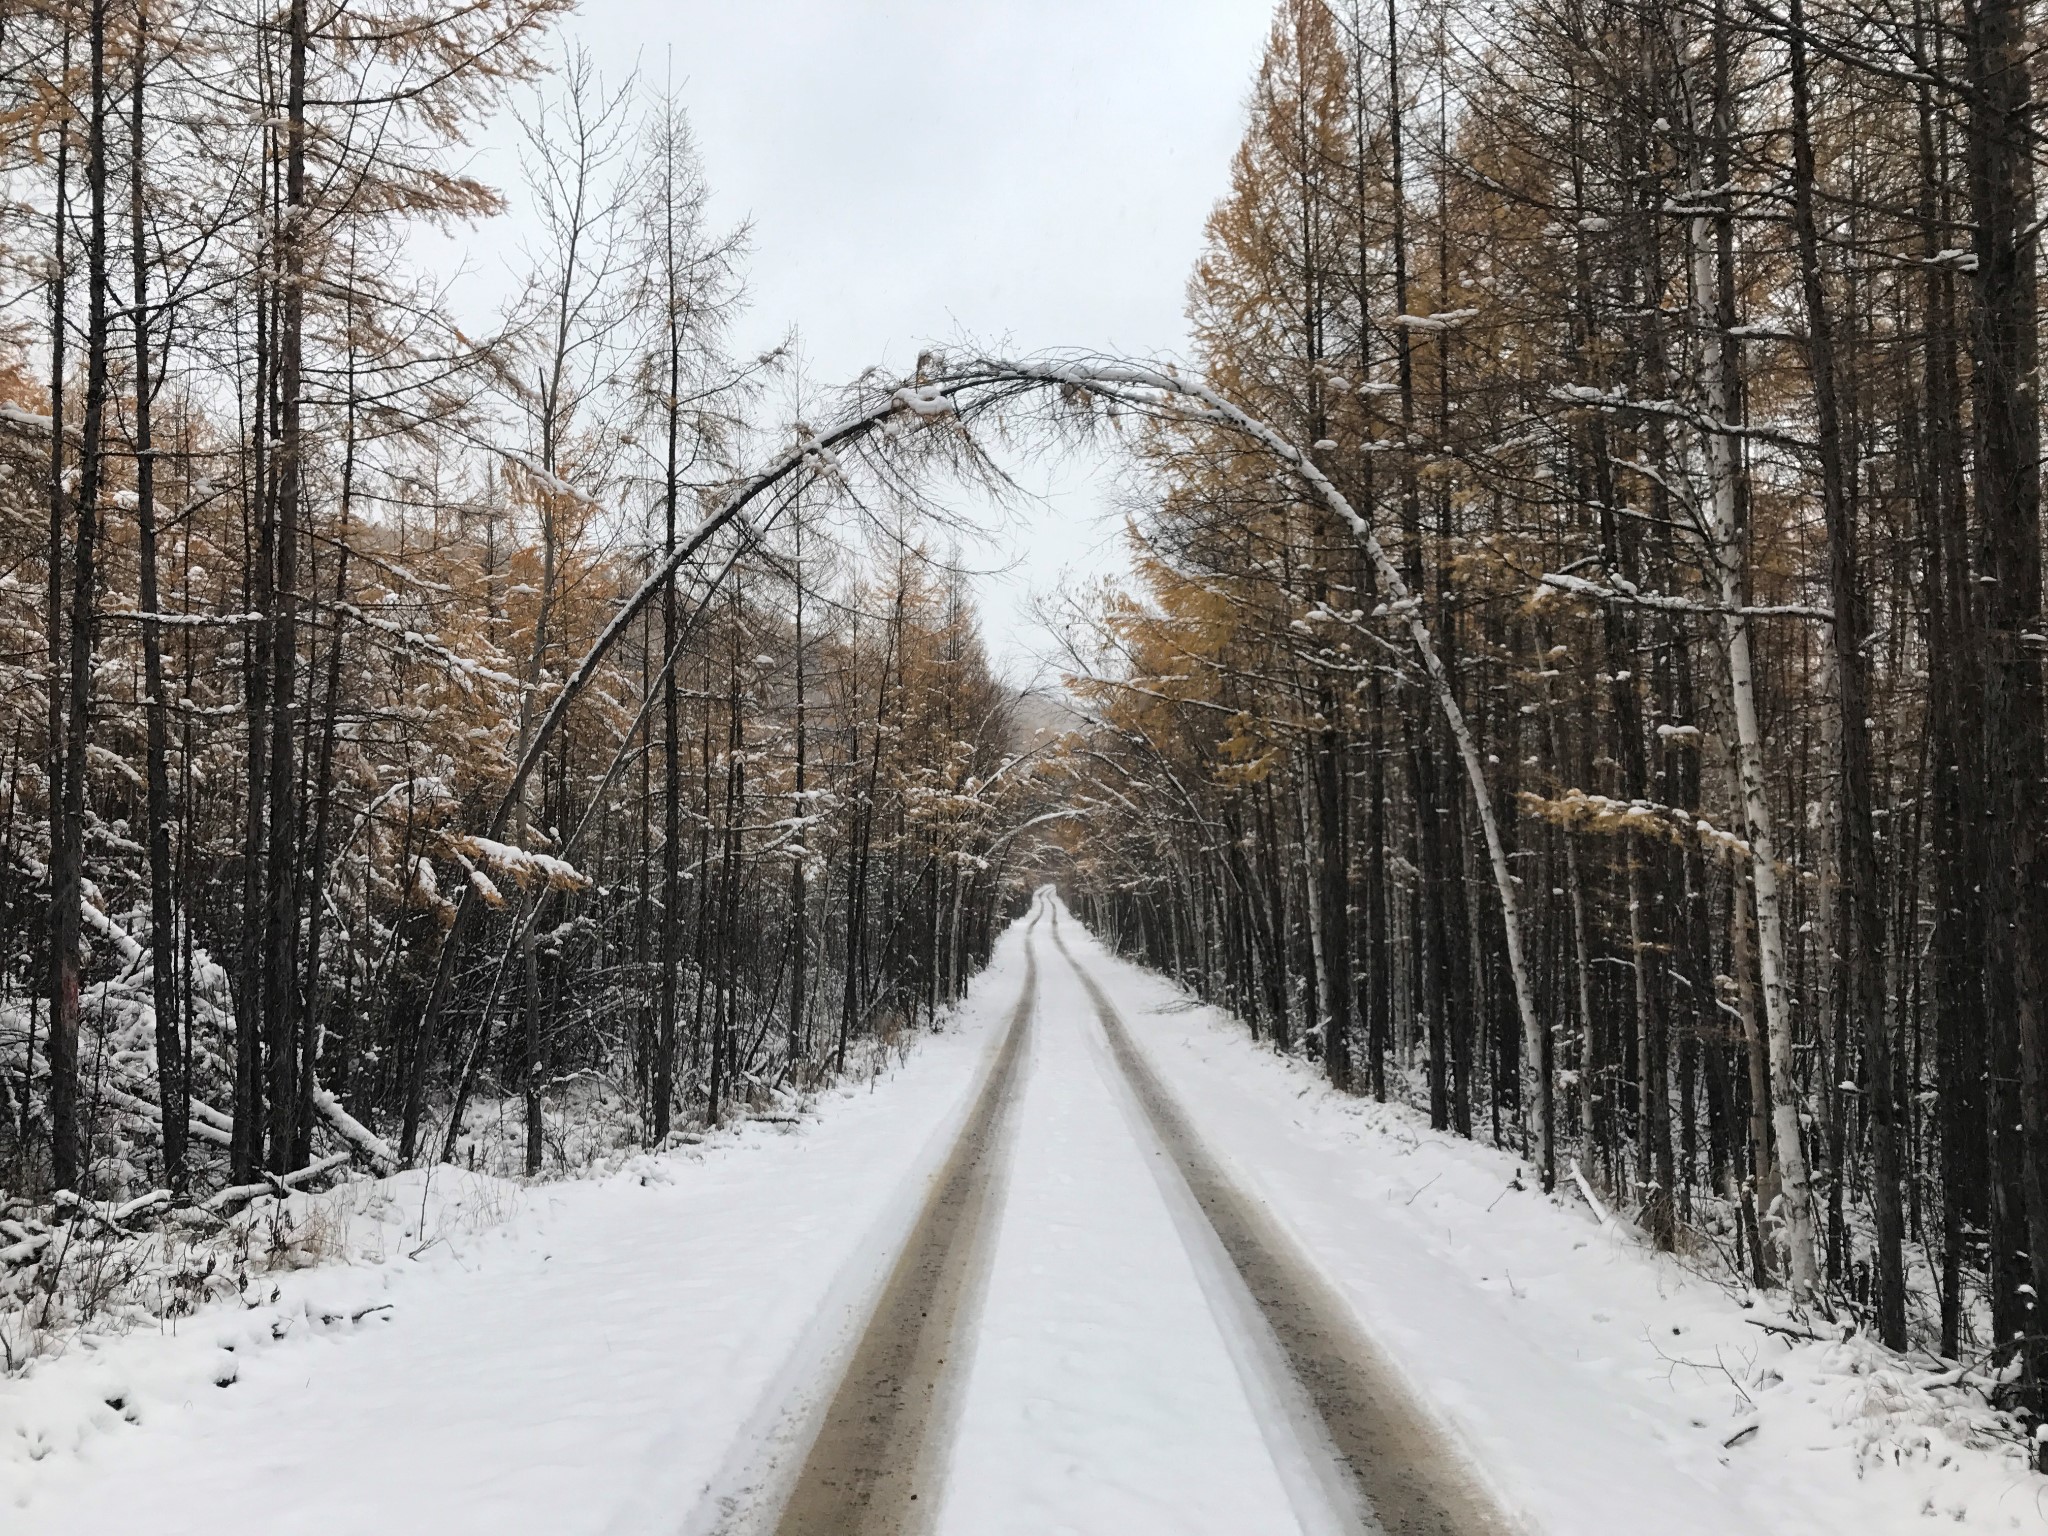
x,y
1580,811
482,883
552,483
360,1139
183,620
1619,399
1578,586
925,401
412,639
204,1129
524,866
1442,320
236,1195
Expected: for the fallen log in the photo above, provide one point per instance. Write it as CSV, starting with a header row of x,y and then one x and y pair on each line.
x,y
363,1141
224,1201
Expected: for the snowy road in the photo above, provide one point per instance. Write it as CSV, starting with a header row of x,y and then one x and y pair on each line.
x,y
1088,1260
1113,1339
974,1295
872,1463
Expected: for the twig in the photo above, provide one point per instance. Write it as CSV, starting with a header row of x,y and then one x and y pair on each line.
x,y
1421,1187
1789,1331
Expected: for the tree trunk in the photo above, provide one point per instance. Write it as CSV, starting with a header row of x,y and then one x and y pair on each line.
x,y
1730,573
1863,939
2006,418
163,923
60,1047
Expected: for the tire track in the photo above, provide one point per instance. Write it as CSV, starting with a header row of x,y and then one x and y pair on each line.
x,y
878,1446
1399,1463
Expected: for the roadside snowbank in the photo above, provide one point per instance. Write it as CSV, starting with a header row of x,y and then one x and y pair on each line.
x,y
1597,1384
583,1356
308,1265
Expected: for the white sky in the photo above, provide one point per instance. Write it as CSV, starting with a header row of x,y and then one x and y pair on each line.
x,y
1030,173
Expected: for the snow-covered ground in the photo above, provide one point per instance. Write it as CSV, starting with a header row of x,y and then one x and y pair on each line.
x,y
575,1357
613,1355
1596,1385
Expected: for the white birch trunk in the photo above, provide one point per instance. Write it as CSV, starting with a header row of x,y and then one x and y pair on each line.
x,y
1729,563
1312,864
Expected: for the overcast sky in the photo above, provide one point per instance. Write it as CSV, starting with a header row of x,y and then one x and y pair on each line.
x,y
1033,173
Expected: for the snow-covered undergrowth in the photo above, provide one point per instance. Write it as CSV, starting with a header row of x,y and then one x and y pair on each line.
x,y
591,1123
1601,1386
115,1332
118,1327
73,1275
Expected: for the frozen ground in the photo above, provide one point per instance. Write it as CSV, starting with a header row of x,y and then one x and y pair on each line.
x,y
615,1355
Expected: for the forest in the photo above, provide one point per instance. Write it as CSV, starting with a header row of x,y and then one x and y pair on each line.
x,y
1657,786
1583,672
403,761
